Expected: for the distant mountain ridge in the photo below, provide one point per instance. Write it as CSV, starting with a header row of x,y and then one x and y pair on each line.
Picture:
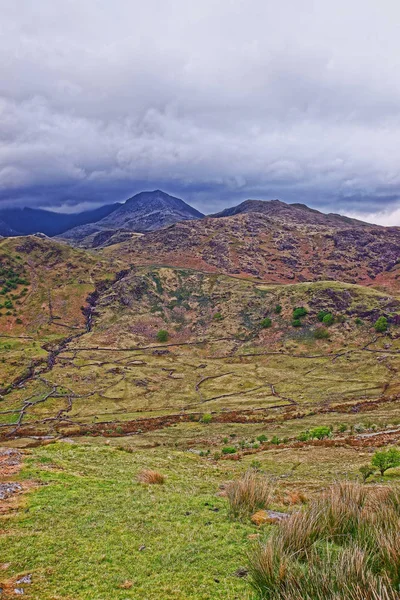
x,y
25,221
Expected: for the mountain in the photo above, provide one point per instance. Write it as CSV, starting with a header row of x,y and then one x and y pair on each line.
x,y
27,220
289,213
146,211
280,243
6,230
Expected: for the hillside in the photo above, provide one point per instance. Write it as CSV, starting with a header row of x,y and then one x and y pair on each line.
x,y
117,371
146,211
275,248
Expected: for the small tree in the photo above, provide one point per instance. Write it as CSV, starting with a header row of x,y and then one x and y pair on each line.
x,y
265,323
386,459
320,432
162,336
381,325
296,323
278,309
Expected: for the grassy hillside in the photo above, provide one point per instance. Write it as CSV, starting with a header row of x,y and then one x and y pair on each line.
x,y
108,368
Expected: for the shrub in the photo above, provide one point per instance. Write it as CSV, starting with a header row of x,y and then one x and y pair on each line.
x,y
358,321
148,476
162,336
321,315
275,440
218,317
342,428
304,436
229,450
321,333
206,418
256,465
299,312
296,323
278,309
248,494
320,432
265,323
381,325
262,438
386,459
328,319
366,471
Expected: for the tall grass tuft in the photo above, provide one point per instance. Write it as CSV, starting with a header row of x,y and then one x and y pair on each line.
x,y
345,545
248,494
148,476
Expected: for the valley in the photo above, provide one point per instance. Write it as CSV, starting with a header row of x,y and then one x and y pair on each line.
x,y
202,349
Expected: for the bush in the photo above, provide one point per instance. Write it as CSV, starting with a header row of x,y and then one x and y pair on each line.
x,y
275,440
320,432
206,418
278,309
229,450
321,333
386,459
162,336
248,494
304,436
299,312
366,471
148,476
381,325
218,317
296,323
262,438
358,321
321,315
342,428
265,323
328,319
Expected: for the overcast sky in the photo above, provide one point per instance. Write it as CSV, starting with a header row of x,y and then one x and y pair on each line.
x,y
215,101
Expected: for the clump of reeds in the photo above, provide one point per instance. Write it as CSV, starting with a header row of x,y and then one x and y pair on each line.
x,y
345,545
248,494
148,476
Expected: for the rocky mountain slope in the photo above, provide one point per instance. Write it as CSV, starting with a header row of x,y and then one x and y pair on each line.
x,y
282,244
146,211
295,214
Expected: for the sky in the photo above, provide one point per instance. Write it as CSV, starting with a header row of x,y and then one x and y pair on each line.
x,y
214,101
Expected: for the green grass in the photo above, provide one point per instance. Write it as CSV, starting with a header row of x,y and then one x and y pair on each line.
x,y
82,528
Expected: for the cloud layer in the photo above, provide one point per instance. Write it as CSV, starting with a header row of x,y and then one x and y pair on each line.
x,y
213,101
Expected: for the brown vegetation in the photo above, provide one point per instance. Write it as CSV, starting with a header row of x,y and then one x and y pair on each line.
x,y
345,544
148,476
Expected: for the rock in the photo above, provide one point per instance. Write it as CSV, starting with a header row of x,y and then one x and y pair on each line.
x,y
7,489
25,579
241,572
270,517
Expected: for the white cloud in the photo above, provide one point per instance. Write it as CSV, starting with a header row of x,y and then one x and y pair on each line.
x,y
216,100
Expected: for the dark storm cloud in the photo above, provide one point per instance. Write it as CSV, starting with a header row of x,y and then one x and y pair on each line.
x,y
212,101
